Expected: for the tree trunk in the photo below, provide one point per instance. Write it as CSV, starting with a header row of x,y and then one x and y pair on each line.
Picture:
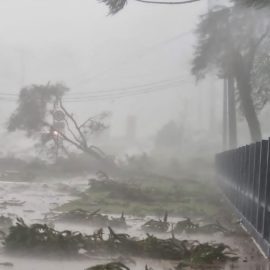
x,y
232,114
242,75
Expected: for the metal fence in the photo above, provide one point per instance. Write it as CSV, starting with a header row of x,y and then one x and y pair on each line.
x,y
245,180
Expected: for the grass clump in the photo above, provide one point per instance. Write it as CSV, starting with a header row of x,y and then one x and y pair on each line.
x,y
149,196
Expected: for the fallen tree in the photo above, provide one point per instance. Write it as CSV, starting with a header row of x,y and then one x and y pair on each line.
x,y
41,114
39,239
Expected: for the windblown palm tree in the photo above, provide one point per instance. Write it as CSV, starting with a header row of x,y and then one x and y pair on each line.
x,y
255,3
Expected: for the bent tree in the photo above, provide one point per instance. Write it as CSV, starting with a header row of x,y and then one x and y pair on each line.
x,y
35,113
231,42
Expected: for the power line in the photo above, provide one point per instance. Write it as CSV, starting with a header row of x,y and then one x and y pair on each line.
x,y
80,94
162,83
111,97
128,91
145,92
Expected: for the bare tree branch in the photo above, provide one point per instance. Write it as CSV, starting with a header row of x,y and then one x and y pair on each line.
x,y
71,132
89,150
255,47
84,142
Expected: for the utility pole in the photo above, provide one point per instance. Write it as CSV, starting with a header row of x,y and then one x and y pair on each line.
x,y
229,133
225,115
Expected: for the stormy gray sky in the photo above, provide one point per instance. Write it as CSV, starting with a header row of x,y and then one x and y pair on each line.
x,y
74,41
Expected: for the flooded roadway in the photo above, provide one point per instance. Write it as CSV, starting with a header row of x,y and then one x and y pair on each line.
x,y
34,201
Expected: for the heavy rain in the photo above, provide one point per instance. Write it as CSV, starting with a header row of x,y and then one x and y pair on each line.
x,y
134,134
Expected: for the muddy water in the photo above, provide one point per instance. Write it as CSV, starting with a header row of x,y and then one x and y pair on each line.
x,y
33,201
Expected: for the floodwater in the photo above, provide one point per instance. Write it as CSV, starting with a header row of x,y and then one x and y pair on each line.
x,y
34,201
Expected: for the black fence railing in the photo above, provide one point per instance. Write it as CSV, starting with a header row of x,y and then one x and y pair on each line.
x,y
245,180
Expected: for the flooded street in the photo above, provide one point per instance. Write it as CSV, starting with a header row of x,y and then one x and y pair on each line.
x,y
34,201
134,135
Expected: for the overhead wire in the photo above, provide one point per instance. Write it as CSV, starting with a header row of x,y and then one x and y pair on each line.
x,y
112,94
122,89
128,92
112,98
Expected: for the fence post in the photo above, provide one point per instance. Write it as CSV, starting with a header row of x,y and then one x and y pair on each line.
x,y
251,178
241,164
246,183
261,184
245,179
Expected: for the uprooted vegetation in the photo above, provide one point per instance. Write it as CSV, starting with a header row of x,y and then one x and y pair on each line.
x,y
97,219
113,266
159,226
188,226
109,266
149,195
39,239
183,226
94,218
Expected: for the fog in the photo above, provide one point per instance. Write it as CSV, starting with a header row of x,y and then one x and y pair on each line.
x,y
78,44
114,118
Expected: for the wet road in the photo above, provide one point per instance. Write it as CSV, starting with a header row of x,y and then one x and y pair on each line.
x,y
33,201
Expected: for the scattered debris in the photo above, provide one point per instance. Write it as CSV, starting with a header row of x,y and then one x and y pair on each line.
x,y
160,226
207,256
118,222
189,227
41,239
92,218
211,228
125,260
109,266
185,226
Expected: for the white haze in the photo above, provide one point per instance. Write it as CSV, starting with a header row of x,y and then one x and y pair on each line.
x,y
77,43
